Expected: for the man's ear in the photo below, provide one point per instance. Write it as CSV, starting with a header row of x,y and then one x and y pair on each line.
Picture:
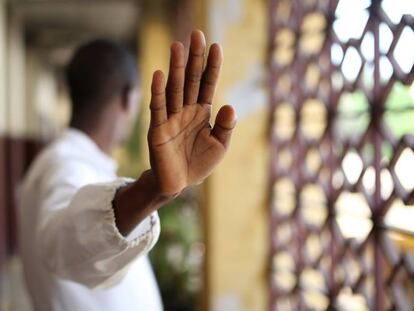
x,y
126,98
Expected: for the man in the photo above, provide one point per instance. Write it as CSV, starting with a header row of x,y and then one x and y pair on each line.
x,y
85,232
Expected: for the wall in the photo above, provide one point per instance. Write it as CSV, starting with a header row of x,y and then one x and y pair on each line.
x,y
2,154
17,148
235,208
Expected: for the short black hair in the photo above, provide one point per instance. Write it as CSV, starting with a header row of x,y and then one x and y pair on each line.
x,y
99,70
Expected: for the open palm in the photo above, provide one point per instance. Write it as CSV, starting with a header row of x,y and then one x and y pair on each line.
x,y
184,148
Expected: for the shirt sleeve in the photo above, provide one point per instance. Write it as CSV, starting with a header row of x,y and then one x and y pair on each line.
x,y
78,237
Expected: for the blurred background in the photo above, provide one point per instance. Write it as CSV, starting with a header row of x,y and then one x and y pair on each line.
x,y
312,209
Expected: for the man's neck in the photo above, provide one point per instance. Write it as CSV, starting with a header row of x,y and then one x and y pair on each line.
x,y
102,136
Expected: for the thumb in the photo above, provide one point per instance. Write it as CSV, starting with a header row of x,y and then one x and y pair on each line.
x,y
225,122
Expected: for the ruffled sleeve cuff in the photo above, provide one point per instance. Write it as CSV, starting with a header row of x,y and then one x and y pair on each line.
x,y
145,233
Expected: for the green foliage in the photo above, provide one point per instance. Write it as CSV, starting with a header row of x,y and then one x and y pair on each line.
x,y
133,144
177,257
354,114
400,110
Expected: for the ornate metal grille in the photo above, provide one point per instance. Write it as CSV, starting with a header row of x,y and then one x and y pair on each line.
x,y
342,172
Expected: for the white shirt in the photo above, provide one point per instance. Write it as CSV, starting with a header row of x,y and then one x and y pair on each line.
x,y
74,257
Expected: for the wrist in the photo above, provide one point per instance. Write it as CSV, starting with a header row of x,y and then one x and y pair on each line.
x,y
135,201
149,180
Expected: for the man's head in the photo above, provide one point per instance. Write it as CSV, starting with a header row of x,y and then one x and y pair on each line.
x,y
103,85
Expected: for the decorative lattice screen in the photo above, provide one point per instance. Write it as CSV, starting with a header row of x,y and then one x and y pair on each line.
x,y
342,173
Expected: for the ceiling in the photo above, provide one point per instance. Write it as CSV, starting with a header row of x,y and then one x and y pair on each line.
x,y
56,27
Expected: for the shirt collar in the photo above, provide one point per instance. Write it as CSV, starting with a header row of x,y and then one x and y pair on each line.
x,y
87,145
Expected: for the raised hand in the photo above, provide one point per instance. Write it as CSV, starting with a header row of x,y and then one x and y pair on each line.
x,y
184,148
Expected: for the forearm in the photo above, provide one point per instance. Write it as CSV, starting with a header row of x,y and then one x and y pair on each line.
x,y
136,201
